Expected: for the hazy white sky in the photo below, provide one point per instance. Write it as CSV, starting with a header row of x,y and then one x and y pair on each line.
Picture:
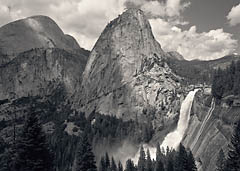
x,y
198,29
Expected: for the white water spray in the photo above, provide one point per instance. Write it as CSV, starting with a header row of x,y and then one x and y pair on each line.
x,y
173,139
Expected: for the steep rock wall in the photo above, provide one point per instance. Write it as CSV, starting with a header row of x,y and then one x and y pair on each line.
x,y
126,74
34,72
210,129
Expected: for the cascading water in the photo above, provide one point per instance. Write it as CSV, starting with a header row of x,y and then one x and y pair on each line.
x,y
173,139
208,116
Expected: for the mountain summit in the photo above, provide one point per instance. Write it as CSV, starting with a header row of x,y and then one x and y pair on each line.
x,y
126,74
34,32
35,56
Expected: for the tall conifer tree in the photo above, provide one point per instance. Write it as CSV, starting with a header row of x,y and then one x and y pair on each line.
x,y
85,160
32,151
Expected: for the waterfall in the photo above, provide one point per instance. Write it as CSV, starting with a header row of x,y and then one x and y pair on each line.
x,y
173,139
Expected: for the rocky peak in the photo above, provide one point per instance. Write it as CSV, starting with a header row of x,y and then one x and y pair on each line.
x,y
34,32
130,37
125,74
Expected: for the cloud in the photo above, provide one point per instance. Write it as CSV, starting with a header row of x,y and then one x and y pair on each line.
x,y
191,44
4,14
86,19
156,8
234,15
83,19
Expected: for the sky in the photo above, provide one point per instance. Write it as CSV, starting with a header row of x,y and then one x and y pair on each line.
x,y
197,29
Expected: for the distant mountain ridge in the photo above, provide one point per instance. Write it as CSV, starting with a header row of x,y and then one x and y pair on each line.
x,y
196,71
34,32
34,53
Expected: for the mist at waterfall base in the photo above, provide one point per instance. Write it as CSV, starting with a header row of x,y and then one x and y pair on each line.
x,y
173,139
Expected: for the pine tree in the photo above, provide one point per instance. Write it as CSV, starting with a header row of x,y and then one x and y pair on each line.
x,y
85,158
141,160
148,161
159,166
182,159
159,154
220,161
130,165
233,160
170,165
102,164
107,161
113,165
191,166
33,153
120,167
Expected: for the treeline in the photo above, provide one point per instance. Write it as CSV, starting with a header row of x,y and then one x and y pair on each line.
x,y
108,132
169,160
115,129
104,131
231,162
226,81
32,152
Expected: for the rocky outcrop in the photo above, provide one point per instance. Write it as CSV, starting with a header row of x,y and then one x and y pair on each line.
x,y
36,55
209,130
175,56
126,74
34,72
33,32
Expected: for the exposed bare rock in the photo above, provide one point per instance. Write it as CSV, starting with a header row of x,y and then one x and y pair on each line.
x,y
34,72
33,32
175,55
209,132
126,74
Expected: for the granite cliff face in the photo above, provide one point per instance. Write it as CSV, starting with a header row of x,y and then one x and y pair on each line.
x,y
36,55
210,129
33,72
126,74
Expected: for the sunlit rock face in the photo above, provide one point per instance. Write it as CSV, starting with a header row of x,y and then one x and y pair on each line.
x,y
35,71
35,56
30,33
209,130
34,32
126,74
